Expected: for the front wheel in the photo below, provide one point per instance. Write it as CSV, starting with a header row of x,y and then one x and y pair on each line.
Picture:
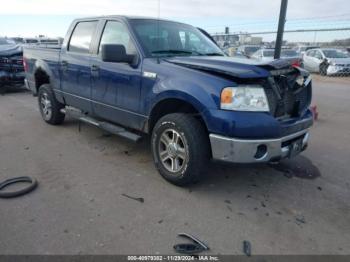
x,y
180,148
50,108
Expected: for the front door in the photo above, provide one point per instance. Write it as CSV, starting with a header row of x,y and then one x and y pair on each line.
x,y
116,87
75,66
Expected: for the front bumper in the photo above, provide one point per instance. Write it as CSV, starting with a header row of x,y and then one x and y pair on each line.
x,y
257,151
11,79
335,70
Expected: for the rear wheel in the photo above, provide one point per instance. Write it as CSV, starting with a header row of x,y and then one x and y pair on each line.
x,y
50,108
180,148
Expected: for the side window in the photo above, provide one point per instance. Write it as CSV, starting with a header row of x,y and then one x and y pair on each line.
x,y
117,33
82,36
310,53
318,55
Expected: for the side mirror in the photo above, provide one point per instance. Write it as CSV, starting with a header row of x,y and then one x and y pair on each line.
x,y
115,54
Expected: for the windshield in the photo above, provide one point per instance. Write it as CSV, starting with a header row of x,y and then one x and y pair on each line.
x,y
4,41
163,38
288,53
269,53
333,53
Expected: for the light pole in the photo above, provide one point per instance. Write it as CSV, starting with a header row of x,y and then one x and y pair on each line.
x,y
281,23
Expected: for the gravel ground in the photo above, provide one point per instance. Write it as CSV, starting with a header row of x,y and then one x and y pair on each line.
x,y
298,207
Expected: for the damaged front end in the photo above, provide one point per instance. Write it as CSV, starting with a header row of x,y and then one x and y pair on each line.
x,y
289,92
258,136
11,70
11,66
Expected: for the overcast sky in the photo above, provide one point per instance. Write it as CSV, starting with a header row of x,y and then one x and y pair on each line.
x,y
33,17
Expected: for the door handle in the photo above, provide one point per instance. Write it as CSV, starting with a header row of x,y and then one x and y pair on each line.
x,y
95,70
64,65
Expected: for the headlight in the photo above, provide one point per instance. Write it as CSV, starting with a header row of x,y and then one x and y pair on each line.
x,y
244,98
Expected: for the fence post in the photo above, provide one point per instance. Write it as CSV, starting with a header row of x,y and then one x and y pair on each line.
x,y
281,23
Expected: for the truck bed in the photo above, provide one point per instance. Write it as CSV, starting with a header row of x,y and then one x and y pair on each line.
x,y
35,57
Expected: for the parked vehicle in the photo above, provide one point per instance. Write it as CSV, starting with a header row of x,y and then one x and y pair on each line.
x,y
267,55
135,76
302,49
247,50
30,41
11,64
327,61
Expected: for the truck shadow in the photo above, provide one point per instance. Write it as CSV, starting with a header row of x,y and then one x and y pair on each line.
x,y
217,174
300,167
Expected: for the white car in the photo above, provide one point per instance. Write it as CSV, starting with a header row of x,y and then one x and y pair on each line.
x,y
301,50
267,55
327,61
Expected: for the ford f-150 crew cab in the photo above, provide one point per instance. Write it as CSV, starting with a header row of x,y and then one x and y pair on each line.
x,y
134,76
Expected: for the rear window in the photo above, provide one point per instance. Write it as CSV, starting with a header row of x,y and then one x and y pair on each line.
x,y
82,36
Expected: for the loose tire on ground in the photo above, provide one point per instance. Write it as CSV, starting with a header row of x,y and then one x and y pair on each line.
x,y
180,141
49,106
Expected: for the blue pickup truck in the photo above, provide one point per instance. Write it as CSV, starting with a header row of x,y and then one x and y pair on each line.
x,y
135,76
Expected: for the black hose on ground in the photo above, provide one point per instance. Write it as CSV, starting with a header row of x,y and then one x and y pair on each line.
x,y
33,183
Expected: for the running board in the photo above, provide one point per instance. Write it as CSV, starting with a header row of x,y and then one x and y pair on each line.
x,y
111,128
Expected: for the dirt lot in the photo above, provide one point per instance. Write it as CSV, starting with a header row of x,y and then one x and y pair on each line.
x,y
298,207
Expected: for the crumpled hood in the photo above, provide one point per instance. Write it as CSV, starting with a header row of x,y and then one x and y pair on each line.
x,y
9,50
236,67
339,61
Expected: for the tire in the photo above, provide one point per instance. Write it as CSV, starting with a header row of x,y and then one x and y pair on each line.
x,y
50,108
33,184
180,148
323,69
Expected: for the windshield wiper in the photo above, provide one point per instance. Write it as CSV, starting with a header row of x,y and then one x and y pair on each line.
x,y
213,54
171,51
176,51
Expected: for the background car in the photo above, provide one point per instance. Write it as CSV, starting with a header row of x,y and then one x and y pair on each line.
x,y
267,54
327,61
11,64
302,49
247,50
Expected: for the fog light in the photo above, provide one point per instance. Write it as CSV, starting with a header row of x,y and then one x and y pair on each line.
x,y
261,151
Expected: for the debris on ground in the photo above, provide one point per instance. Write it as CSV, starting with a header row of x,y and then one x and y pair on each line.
x,y
300,220
247,248
190,248
314,112
33,183
140,199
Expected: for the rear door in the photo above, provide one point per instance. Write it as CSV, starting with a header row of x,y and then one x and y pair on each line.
x,y
75,66
116,87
